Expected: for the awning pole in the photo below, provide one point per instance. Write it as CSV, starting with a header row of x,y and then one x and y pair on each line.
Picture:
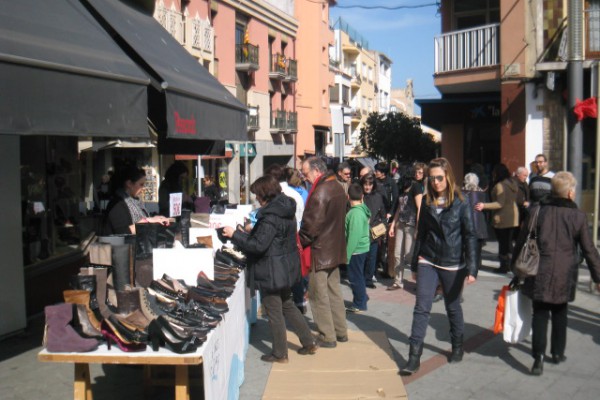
x,y
246,175
597,166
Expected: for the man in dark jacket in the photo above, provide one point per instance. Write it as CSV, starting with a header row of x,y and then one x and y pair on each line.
x,y
322,233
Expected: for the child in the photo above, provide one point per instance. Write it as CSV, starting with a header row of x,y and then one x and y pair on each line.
x,y
357,246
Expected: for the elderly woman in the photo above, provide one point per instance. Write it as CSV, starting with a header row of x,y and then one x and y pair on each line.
x,y
561,228
125,208
274,265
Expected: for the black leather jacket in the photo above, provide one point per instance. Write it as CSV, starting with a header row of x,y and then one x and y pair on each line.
x,y
447,238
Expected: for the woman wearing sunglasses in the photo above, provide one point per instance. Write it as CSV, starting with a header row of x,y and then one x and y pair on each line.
x,y
445,252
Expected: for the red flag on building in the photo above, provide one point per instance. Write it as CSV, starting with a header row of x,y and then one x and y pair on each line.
x,y
586,108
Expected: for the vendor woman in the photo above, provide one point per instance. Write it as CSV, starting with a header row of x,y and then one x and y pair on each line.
x,y
125,209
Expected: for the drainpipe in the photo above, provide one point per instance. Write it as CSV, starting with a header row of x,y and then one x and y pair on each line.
x,y
575,79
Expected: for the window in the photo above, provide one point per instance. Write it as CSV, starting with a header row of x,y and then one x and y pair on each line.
x,y
592,19
345,95
472,13
334,94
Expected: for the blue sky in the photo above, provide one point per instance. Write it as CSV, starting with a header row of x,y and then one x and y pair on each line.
x,y
404,35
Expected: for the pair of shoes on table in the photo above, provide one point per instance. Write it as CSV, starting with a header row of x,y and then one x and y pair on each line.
x,y
354,310
306,350
272,359
395,286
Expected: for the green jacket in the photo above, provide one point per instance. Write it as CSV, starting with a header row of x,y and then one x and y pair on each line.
x,y
358,238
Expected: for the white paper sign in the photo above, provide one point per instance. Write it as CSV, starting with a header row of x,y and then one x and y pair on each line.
x,y
183,264
175,202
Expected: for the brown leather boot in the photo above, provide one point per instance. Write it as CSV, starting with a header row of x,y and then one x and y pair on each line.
x,y
82,297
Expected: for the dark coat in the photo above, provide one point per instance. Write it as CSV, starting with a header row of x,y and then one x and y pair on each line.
x,y
447,238
323,224
479,221
561,229
271,248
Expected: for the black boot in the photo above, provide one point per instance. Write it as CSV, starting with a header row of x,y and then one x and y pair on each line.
x,y
121,266
185,224
538,365
86,282
414,360
457,350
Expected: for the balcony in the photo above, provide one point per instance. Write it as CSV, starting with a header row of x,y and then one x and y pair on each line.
x,y
171,20
246,57
202,35
356,116
292,122
277,66
467,49
253,118
355,81
278,121
292,70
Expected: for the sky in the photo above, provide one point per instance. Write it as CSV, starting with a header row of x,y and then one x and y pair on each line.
x,y
404,35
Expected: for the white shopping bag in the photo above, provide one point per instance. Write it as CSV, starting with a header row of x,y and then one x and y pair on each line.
x,y
517,316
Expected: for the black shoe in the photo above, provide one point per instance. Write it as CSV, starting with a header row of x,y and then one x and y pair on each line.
x,y
557,359
370,285
306,350
326,345
538,366
272,359
342,339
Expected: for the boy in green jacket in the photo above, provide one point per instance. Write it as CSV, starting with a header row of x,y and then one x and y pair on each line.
x,y
357,247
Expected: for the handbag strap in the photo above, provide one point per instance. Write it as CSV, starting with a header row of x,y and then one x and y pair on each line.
x,y
533,223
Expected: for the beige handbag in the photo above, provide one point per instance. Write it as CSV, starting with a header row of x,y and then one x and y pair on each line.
x,y
378,231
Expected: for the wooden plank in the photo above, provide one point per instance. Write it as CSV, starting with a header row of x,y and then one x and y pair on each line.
x,y
182,390
120,358
82,388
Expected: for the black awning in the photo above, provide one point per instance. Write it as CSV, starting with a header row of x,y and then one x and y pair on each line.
x,y
436,112
192,104
62,74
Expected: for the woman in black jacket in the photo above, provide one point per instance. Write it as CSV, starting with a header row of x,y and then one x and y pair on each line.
x,y
445,252
274,265
561,229
375,202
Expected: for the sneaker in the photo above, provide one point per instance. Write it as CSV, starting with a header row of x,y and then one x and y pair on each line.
x,y
354,310
438,297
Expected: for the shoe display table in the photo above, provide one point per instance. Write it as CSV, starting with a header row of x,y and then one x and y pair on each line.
x,y
222,356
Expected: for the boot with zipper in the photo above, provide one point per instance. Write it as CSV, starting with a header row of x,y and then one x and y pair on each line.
x,y
538,365
82,297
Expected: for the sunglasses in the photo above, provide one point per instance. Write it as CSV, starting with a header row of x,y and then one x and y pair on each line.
x,y
439,178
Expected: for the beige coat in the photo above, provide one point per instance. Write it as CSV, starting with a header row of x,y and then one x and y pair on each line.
x,y
504,205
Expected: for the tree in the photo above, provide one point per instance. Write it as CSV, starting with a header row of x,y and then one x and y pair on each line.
x,y
397,136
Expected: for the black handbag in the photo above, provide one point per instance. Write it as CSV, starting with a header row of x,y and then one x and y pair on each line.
x,y
526,263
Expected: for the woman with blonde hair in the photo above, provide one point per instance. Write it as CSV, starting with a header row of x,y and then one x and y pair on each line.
x,y
445,252
561,229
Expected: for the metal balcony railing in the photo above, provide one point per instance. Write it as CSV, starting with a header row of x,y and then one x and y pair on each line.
x,y
246,57
292,122
292,70
277,66
278,120
468,48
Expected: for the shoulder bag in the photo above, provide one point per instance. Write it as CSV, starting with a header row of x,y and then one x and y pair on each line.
x,y
527,262
378,231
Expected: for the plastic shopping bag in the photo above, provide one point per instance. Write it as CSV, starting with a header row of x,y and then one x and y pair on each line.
x,y
517,317
499,320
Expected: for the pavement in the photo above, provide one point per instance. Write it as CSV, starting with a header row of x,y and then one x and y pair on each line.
x,y
491,368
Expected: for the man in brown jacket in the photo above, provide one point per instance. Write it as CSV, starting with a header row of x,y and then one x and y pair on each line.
x,y
322,230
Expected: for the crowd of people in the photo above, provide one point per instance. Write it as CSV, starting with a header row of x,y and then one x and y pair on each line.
x,y
316,221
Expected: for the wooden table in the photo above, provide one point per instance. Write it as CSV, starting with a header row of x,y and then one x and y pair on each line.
x,y
82,389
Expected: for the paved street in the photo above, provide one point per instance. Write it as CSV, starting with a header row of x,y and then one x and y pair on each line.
x,y
491,369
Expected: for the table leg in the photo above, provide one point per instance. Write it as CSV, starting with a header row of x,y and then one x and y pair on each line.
x,y
182,388
82,388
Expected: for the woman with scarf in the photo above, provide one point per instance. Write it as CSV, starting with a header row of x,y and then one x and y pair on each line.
x,y
125,208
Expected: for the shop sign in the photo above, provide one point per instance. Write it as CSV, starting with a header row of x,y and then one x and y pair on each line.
x,y
185,126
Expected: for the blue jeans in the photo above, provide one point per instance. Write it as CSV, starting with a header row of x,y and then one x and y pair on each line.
x,y
371,262
452,282
356,276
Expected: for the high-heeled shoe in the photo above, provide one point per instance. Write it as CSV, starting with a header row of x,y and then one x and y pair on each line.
x,y
161,333
113,332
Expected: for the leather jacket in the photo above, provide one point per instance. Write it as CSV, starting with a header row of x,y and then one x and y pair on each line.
x,y
447,238
323,222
